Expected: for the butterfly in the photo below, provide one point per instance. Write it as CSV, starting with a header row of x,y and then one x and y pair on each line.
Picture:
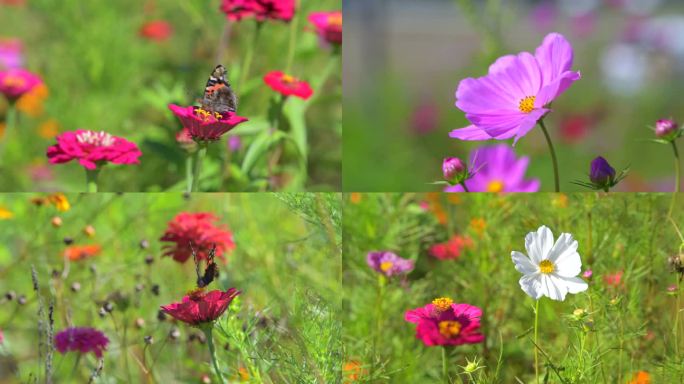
x,y
218,95
210,271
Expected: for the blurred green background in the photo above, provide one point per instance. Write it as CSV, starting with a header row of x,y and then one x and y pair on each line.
x,y
404,59
101,74
286,262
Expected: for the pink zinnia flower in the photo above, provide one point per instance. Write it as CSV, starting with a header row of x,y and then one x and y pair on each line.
x,y
443,322
328,25
288,85
82,340
11,54
16,82
198,230
388,263
156,30
199,307
513,96
497,169
203,125
92,148
259,9
451,249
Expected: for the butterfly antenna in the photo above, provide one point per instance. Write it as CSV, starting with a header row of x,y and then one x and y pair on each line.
x,y
194,258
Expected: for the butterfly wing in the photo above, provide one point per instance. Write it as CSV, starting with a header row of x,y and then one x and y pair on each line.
x,y
218,94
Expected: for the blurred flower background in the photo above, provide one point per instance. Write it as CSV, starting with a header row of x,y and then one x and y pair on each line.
x,y
115,66
404,59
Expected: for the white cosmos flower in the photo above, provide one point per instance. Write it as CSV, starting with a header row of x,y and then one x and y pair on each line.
x,y
551,269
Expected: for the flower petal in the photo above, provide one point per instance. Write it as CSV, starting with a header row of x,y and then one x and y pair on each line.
x,y
539,243
531,284
553,288
555,56
565,257
573,284
522,263
469,133
555,88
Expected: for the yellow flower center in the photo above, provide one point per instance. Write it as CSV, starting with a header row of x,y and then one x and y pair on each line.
x,y
495,186
13,81
289,79
546,267
442,303
527,104
449,328
207,115
386,266
335,20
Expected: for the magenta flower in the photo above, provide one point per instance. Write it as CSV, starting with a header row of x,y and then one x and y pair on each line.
x,y
11,53
388,263
514,95
496,169
16,82
443,322
92,148
203,125
201,307
81,340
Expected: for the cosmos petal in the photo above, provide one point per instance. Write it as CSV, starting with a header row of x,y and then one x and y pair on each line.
x,y
539,243
522,263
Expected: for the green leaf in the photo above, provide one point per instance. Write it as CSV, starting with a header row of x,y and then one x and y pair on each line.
x,y
259,147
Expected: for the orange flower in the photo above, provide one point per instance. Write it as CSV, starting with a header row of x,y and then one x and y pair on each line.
x,y
5,214
59,201
560,200
355,198
48,129
243,373
32,103
478,225
353,371
641,377
80,252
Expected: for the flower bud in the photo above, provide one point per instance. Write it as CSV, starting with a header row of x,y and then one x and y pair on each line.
x,y
665,128
601,174
56,221
89,231
75,286
454,170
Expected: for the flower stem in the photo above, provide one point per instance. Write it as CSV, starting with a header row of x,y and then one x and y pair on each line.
x,y
536,333
10,122
294,26
445,371
188,173
91,179
678,175
249,55
212,351
464,187
197,166
556,178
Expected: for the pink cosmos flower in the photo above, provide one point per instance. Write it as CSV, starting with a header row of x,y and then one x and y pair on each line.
x,y
82,340
11,53
588,274
328,25
199,307
497,169
288,85
16,82
388,263
92,148
203,125
443,322
261,10
514,95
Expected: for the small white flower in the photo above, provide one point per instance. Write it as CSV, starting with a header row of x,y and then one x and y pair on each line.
x,y
551,269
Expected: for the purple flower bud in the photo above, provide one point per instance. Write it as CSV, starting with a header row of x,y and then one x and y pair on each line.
x,y
453,168
664,128
601,172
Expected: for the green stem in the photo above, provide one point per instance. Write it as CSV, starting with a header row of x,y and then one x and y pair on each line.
x,y
536,333
556,177
445,371
188,173
249,55
212,351
463,184
91,179
294,26
197,166
677,169
10,123
675,329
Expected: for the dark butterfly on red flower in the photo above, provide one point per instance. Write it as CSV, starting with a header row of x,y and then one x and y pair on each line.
x,y
218,94
211,271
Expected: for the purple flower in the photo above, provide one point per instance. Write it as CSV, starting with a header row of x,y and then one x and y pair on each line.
x,y
11,53
234,143
666,128
510,100
454,169
388,263
601,172
83,340
496,169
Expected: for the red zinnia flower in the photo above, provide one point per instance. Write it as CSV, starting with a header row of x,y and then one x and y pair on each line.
x,y
328,25
451,249
288,85
259,9
203,125
198,230
200,307
92,148
444,323
83,340
80,252
156,30
16,82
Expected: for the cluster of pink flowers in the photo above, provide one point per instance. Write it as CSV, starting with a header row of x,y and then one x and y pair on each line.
x,y
188,231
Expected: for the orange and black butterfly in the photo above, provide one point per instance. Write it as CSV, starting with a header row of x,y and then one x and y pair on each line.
x,y
211,271
218,95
